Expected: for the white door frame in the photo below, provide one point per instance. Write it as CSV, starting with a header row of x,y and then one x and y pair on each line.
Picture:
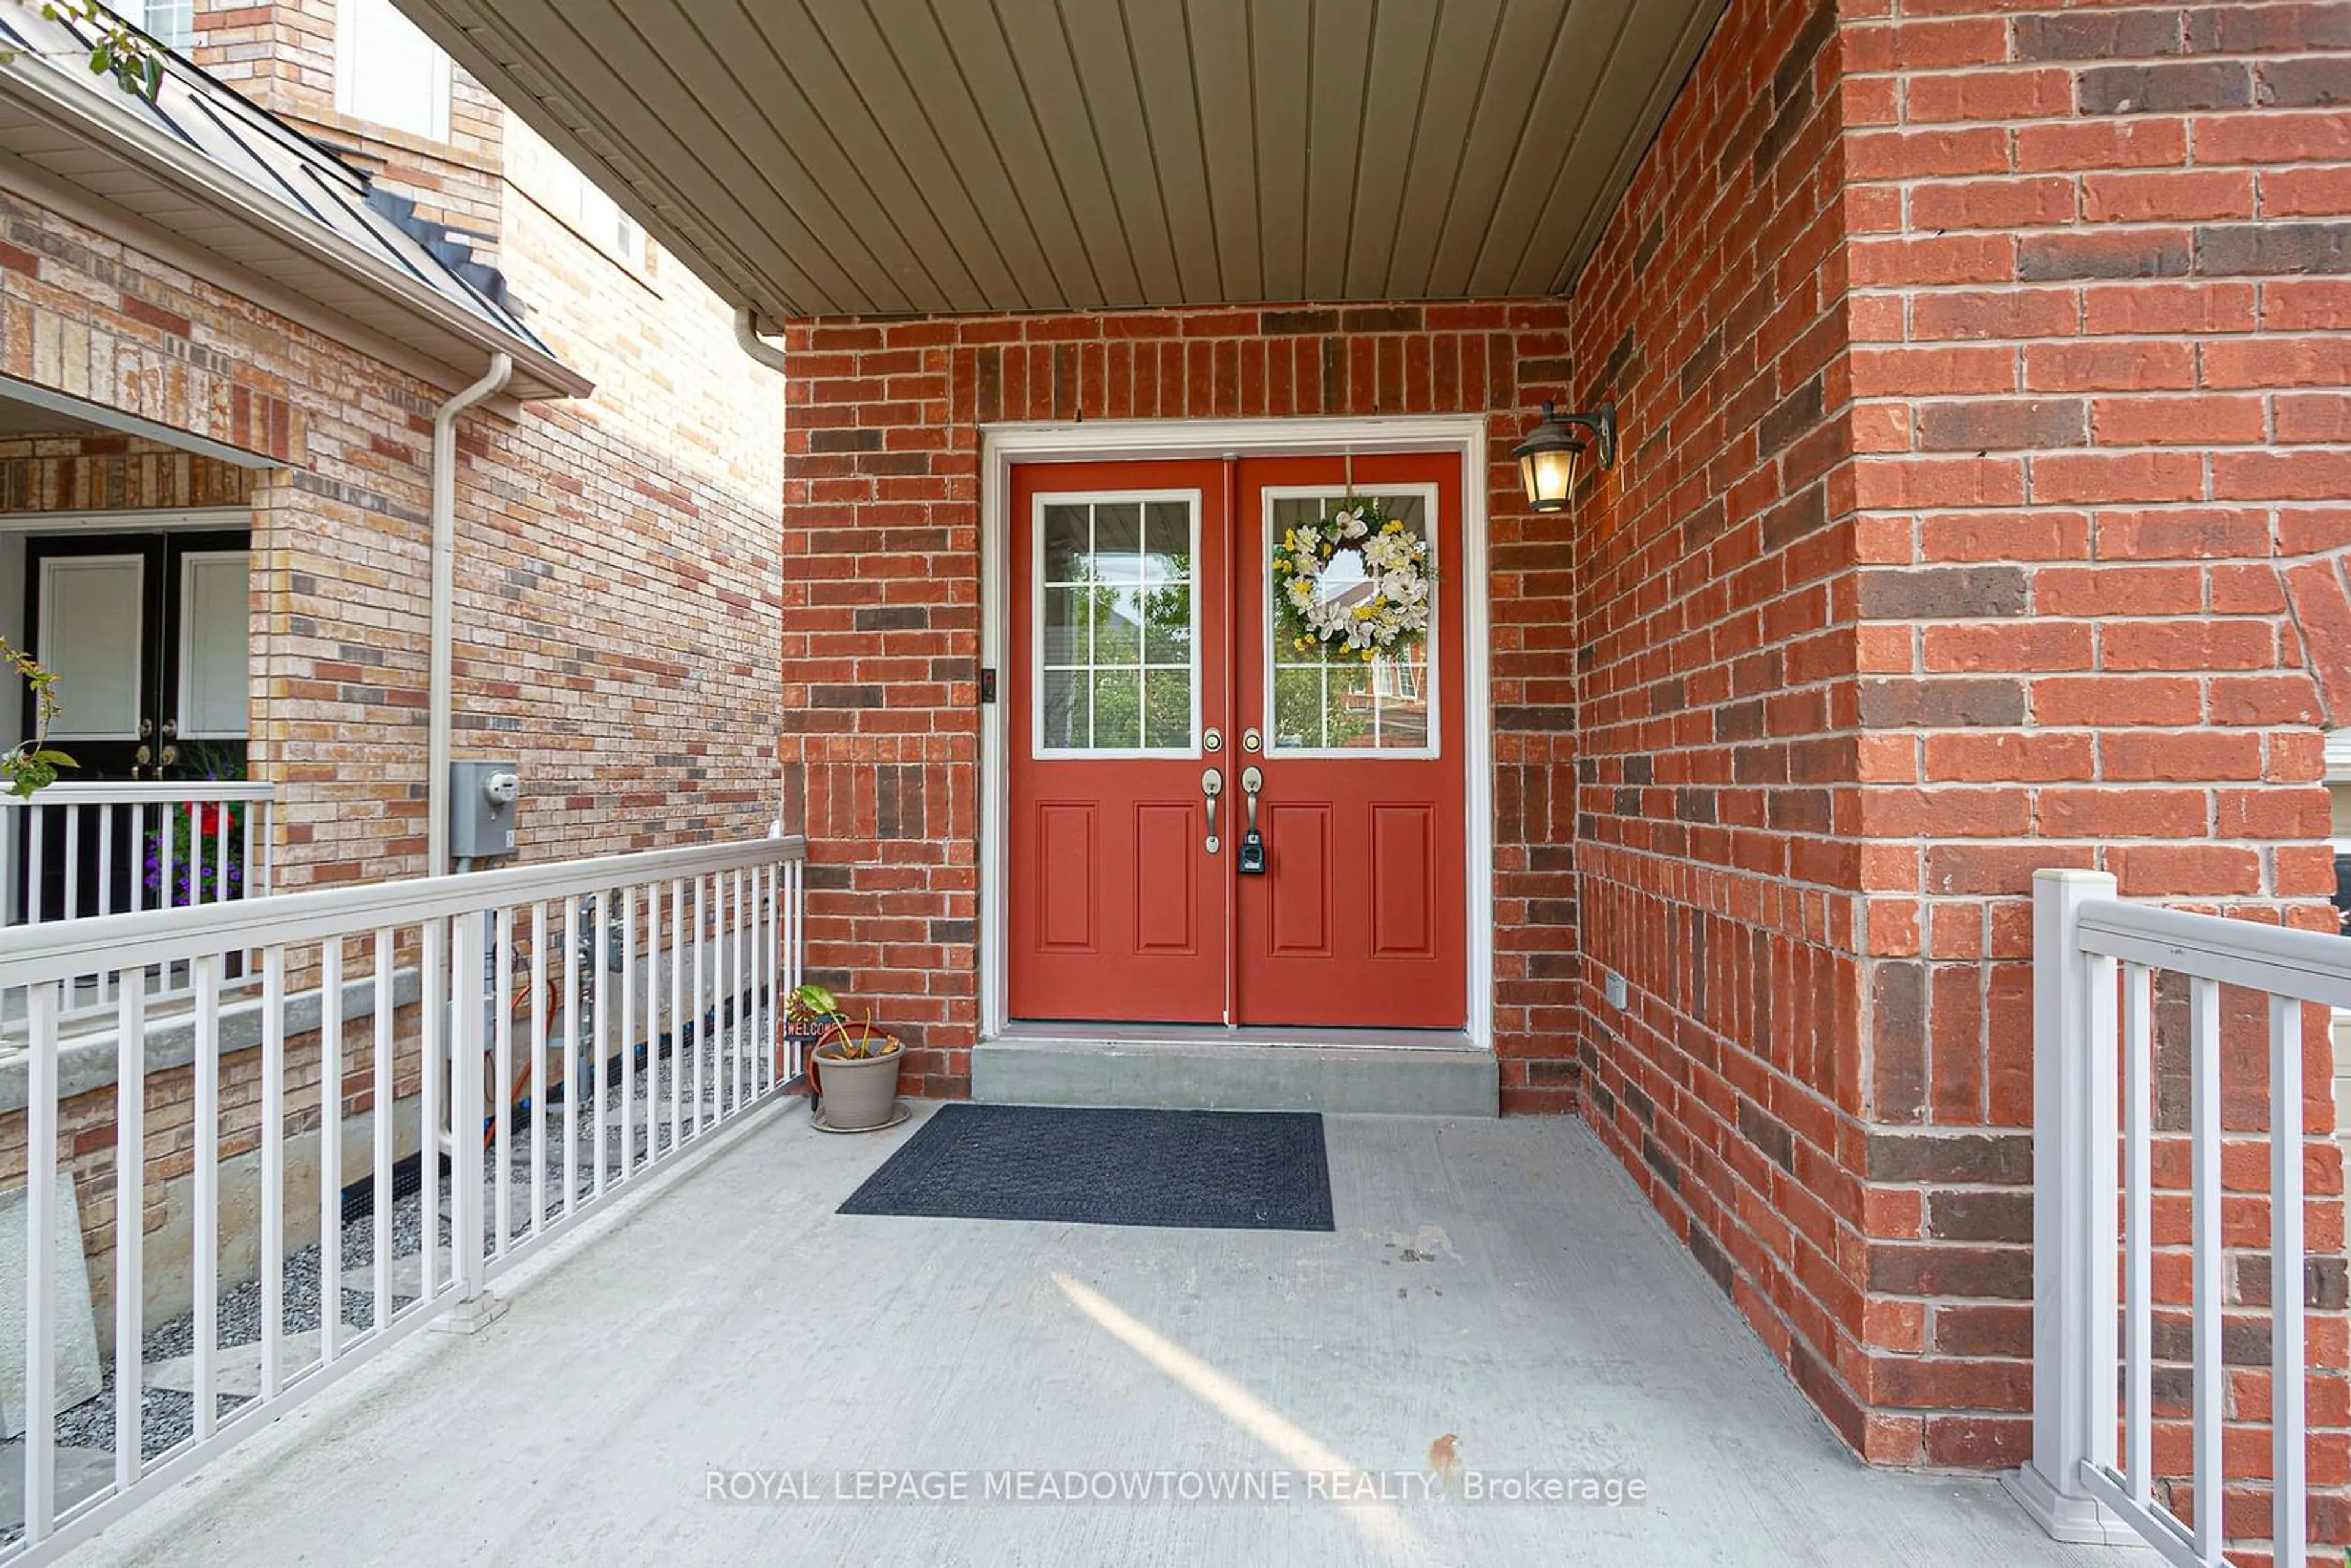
x,y
1002,446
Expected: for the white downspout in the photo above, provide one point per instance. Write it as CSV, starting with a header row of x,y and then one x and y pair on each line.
x,y
445,607
759,348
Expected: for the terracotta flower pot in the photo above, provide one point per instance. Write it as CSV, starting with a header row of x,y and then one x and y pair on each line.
x,y
860,1093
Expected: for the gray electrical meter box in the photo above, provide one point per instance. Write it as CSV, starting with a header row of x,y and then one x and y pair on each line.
x,y
482,797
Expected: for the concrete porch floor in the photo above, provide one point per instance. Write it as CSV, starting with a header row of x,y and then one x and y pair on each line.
x,y
1496,1281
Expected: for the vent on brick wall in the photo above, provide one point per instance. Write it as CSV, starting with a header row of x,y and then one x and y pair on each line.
x,y
453,247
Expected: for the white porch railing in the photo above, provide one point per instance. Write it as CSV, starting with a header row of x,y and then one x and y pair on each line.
x,y
683,956
77,850
2093,1471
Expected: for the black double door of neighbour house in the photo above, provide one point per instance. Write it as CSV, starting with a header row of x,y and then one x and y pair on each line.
x,y
149,635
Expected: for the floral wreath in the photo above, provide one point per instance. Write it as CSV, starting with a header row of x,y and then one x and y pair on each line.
x,y
1392,618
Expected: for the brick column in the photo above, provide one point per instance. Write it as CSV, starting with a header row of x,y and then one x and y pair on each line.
x,y
1982,368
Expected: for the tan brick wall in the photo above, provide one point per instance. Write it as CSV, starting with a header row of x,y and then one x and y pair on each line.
x,y
282,57
617,562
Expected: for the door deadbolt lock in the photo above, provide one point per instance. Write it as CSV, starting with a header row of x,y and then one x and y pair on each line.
x,y
1212,784
1252,742
1213,742
1252,853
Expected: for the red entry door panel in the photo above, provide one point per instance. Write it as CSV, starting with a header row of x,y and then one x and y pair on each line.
x,y
1360,920
1141,627
1117,911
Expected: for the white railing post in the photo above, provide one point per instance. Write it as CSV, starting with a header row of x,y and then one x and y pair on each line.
x,y
2074,1214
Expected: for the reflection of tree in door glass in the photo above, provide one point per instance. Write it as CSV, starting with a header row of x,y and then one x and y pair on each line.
x,y
1116,651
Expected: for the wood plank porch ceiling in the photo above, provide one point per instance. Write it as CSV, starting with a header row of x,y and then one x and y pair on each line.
x,y
822,157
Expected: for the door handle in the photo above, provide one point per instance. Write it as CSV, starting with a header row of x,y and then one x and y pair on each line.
x,y
1212,784
172,754
1252,860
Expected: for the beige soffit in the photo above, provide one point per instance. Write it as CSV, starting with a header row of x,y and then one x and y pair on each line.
x,y
221,175
818,157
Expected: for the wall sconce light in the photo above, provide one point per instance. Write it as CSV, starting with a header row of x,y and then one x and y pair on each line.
x,y
1549,455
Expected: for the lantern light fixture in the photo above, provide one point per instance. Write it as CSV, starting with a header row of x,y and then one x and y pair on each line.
x,y
1548,457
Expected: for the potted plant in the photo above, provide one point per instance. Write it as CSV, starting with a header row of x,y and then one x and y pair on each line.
x,y
854,1068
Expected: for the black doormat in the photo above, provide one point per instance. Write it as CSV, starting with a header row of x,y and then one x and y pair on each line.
x,y
1211,1170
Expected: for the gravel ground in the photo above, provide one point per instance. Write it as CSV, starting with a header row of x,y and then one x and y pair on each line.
x,y
169,1417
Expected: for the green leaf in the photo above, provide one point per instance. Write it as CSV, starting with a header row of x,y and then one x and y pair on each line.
x,y
55,759
154,77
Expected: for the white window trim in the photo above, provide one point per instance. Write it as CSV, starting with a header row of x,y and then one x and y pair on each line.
x,y
1038,749
346,75
1001,445
1429,500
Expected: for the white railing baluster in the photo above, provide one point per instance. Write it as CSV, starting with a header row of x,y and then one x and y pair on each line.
x,y
596,1035
167,836
502,1079
42,1004
627,1027
466,1056
273,1169
797,945
2209,1377
574,1024
706,1013
763,956
207,1188
36,863
130,1230
734,1041
330,1150
2139,1231
382,1124
220,852
538,1066
430,1144
2290,1458
107,979
652,1020
683,1037
73,862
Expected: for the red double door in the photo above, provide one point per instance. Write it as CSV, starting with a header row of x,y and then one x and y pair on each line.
x,y
1148,688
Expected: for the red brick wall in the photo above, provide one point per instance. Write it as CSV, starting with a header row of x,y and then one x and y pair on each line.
x,y
1714,610
882,617
1964,551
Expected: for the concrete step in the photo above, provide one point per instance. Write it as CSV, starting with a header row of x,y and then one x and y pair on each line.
x,y
1070,1068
